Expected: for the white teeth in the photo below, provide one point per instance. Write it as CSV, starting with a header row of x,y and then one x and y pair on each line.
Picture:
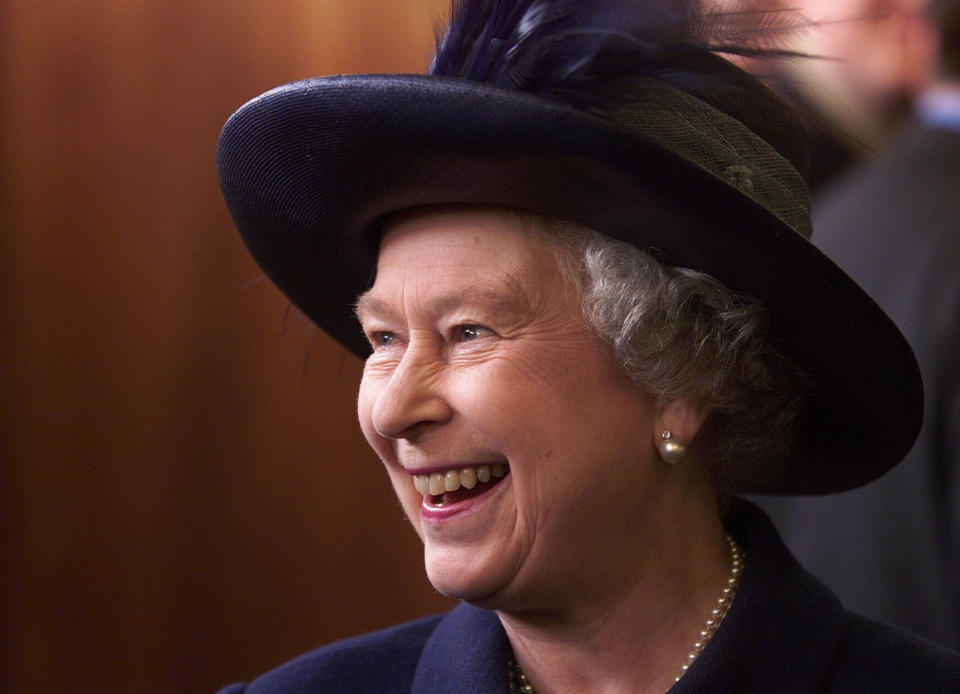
x,y
452,480
422,484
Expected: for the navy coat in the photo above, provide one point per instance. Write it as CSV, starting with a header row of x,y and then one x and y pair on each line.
x,y
784,633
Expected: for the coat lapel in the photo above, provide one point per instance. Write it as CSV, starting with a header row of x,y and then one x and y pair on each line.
x,y
467,653
783,629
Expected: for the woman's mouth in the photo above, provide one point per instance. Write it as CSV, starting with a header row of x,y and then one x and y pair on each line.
x,y
449,487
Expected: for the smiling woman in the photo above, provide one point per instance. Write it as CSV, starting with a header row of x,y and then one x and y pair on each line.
x,y
595,317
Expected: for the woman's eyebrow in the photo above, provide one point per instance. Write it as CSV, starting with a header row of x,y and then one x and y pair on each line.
x,y
367,303
512,304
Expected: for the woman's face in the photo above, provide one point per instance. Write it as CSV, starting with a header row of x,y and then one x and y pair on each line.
x,y
482,361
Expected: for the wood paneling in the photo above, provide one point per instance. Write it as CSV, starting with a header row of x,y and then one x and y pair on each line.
x,y
186,498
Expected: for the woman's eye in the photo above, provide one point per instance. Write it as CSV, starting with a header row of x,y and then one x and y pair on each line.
x,y
381,339
468,333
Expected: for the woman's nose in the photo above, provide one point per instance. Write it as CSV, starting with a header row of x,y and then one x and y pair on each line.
x,y
412,399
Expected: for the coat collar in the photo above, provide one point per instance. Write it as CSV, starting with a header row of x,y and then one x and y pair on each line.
x,y
468,653
783,625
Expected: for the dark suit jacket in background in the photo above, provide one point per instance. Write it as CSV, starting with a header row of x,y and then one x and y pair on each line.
x,y
891,550
785,633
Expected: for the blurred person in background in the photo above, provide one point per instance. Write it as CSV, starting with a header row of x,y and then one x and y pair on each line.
x,y
578,250
891,549
868,59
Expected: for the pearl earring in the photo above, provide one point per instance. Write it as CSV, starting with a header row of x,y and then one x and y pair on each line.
x,y
670,451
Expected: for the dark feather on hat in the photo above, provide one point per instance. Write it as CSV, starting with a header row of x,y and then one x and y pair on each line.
x,y
588,53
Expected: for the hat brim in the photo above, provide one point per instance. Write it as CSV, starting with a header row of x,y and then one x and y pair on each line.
x,y
309,169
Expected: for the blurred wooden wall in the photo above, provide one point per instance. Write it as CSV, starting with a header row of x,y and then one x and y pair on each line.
x,y
186,499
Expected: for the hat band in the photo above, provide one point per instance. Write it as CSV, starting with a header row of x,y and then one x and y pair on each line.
x,y
719,144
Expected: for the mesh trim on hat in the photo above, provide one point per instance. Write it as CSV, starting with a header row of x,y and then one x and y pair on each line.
x,y
721,145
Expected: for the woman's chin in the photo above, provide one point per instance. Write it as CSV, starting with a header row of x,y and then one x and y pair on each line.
x,y
467,579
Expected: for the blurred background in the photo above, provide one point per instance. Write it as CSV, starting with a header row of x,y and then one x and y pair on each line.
x,y
186,499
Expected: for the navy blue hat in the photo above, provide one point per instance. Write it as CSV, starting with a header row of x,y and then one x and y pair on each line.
x,y
620,118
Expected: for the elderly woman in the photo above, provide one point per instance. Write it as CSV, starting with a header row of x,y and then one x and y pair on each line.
x,y
578,254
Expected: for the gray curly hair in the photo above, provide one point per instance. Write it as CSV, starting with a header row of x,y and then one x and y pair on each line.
x,y
678,332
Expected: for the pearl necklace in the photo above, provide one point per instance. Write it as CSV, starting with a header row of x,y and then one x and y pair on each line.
x,y
519,684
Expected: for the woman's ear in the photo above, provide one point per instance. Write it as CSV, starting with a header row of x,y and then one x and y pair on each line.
x,y
679,420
